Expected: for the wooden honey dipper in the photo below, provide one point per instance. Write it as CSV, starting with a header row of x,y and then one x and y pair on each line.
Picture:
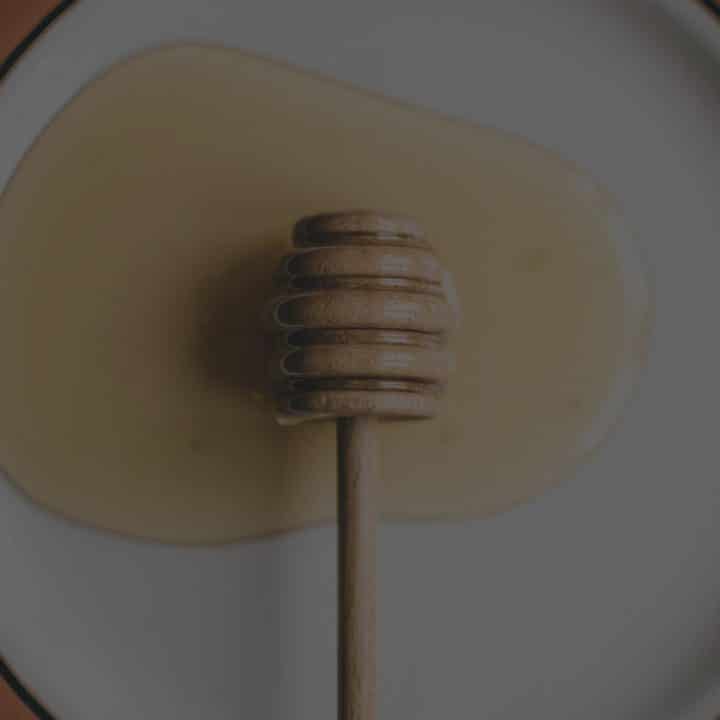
x,y
361,334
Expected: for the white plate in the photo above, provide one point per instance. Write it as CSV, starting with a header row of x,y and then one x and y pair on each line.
x,y
601,600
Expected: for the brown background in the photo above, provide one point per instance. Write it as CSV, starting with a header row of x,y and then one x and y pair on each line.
x,y
10,707
17,19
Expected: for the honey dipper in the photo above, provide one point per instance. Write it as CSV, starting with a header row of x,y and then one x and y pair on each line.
x,y
361,335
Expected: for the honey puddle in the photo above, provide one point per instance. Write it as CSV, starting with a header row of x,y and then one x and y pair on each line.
x,y
138,241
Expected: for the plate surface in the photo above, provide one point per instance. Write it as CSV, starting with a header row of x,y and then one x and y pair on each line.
x,y
601,600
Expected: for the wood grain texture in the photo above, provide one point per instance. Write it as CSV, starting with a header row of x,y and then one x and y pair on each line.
x,y
358,227
381,309
363,261
364,301
359,361
357,518
360,333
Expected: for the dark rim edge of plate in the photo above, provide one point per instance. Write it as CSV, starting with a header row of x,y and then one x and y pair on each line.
x,y
6,674
22,693
7,63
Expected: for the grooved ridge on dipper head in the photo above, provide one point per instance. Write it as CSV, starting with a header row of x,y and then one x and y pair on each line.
x,y
361,327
